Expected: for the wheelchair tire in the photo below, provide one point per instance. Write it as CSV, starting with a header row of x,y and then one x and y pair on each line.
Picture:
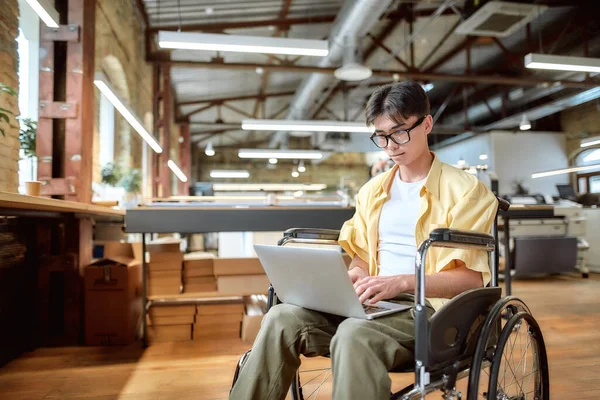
x,y
515,382
307,384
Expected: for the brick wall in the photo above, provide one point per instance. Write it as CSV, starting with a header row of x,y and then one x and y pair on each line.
x,y
350,166
119,34
9,145
579,123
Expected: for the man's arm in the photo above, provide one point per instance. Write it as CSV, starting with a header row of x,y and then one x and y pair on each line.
x,y
444,284
358,269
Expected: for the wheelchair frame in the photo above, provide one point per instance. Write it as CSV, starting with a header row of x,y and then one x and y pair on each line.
x,y
446,377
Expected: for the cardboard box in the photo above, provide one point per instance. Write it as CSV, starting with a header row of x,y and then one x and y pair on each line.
x,y
113,248
164,245
171,311
219,319
198,265
162,261
112,297
255,306
171,320
160,289
243,285
217,331
219,309
200,284
196,242
170,333
237,266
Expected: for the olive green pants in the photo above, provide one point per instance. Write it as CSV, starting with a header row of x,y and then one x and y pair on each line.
x,y
362,352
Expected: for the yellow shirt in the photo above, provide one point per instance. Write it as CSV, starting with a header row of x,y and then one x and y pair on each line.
x,y
451,199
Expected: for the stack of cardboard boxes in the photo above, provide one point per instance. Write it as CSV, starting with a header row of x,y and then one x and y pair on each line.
x,y
240,276
198,273
220,320
165,267
171,323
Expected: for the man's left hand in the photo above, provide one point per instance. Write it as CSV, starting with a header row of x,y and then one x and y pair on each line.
x,y
379,288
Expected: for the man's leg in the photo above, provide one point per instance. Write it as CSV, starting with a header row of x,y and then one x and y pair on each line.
x,y
287,331
362,353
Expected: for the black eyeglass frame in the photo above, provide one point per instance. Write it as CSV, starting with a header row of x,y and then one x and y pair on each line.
x,y
388,137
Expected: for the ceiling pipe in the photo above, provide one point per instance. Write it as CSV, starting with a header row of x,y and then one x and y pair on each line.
x,y
355,20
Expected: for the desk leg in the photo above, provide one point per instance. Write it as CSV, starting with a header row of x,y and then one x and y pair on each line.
x,y
144,299
507,257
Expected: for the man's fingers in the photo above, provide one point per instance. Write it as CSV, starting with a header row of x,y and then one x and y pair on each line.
x,y
367,294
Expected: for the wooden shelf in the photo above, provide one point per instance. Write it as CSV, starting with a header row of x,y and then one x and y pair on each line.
x,y
18,201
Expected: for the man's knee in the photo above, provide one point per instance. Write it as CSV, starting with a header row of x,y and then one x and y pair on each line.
x,y
350,333
280,318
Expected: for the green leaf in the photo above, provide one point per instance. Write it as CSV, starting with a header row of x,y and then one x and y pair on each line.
x,y
2,131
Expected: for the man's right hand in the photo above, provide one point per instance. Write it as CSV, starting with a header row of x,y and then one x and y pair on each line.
x,y
356,274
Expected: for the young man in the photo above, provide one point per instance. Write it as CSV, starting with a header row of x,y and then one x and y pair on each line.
x,y
395,211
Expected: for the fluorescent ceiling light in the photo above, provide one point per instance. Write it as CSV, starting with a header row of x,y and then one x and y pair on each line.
x,y
229,174
590,142
177,171
267,187
301,167
562,63
243,44
46,12
304,126
111,94
273,161
564,171
286,154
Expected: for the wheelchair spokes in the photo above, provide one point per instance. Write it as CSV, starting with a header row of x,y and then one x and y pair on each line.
x,y
520,368
313,380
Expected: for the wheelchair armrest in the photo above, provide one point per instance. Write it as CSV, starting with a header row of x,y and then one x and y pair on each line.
x,y
309,235
444,237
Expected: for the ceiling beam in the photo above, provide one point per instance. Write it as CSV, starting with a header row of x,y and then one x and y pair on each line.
x,y
234,98
281,23
427,76
451,54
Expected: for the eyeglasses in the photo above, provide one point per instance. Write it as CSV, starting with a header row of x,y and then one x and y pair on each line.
x,y
399,137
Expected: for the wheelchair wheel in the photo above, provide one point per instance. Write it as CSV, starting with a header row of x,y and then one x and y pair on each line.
x,y
313,381
519,370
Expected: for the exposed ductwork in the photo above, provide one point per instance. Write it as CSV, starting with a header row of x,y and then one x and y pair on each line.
x,y
355,20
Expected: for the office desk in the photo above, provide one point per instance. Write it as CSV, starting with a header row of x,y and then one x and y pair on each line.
x,y
203,219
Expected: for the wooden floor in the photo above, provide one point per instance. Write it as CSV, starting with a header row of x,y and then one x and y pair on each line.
x,y
567,308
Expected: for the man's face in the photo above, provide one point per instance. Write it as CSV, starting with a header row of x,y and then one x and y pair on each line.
x,y
404,154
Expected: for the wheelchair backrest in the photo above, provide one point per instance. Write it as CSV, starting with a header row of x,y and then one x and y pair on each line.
x,y
459,320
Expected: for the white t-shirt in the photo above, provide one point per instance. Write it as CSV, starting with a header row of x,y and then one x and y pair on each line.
x,y
397,224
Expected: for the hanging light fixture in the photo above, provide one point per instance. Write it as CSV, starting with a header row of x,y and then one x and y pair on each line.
x,y
525,125
352,68
295,173
305,126
273,161
110,93
562,63
301,167
280,154
209,151
242,44
177,171
46,12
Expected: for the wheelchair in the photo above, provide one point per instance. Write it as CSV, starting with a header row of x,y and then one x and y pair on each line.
x,y
490,345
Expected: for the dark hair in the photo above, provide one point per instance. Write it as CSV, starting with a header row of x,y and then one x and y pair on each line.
x,y
398,100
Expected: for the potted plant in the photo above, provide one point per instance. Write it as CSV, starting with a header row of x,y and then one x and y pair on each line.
x,y
27,138
111,174
131,181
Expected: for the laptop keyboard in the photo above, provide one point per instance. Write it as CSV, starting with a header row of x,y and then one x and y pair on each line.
x,y
372,309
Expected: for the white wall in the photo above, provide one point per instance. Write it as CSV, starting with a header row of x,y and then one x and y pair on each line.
x,y
518,155
469,150
514,157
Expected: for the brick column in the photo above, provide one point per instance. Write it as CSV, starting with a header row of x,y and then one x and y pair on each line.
x,y
9,145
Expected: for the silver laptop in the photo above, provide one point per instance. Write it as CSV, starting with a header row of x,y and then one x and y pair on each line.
x,y
317,279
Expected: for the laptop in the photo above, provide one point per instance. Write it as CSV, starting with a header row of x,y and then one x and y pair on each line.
x,y
317,279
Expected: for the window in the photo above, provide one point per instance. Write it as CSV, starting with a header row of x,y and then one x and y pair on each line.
x,y
595,184
107,131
